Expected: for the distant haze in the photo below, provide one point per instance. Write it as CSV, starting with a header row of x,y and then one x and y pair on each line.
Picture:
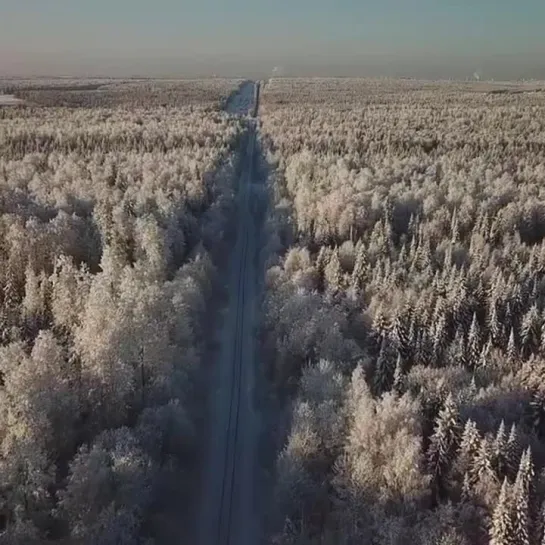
x,y
420,38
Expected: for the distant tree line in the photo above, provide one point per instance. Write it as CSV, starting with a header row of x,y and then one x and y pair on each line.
x,y
122,93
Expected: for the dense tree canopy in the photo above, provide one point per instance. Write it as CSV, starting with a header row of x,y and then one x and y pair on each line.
x,y
407,239
109,223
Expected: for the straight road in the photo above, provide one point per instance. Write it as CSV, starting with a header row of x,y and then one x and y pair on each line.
x,y
227,513
242,102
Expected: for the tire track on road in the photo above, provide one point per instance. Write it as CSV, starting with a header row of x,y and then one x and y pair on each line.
x,y
229,476
226,512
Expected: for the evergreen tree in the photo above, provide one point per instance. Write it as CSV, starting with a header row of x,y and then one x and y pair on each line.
x,y
413,341
482,468
440,335
399,385
537,412
494,326
542,344
9,309
524,499
512,350
384,370
321,261
473,342
462,310
466,493
508,316
400,332
459,351
512,453
539,526
531,331
454,228
333,272
425,348
469,447
521,516
443,444
485,355
499,450
360,271
381,324
502,530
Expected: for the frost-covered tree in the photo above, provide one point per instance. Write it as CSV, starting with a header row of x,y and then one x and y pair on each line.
x,y
502,531
108,489
443,444
108,217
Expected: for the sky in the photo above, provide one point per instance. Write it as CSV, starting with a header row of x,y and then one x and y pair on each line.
x,y
500,39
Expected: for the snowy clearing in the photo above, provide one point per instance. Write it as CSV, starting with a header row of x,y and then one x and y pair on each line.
x,y
9,100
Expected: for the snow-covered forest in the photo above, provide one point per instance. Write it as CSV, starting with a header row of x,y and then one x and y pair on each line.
x,y
129,93
110,216
402,339
404,321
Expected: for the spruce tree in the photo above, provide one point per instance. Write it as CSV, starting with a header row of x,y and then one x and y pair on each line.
x,y
531,331
499,449
473,342
440,335
521,515
539,527
485,355
321,261
381,324
537,412
443,444
466,494
423,353
512,350
333,272
459,350
360,271
524,499
384,370
542,344
494,326
482,467
502,528
512,453
399,385
469,447
400,332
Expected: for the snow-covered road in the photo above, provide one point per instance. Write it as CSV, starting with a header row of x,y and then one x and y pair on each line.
x,y
227,511
242,102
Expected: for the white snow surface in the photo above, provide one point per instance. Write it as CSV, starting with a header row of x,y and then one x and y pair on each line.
x,y
241,102
228,512
9,100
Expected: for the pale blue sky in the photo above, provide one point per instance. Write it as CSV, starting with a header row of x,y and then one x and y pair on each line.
x,y
430,38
